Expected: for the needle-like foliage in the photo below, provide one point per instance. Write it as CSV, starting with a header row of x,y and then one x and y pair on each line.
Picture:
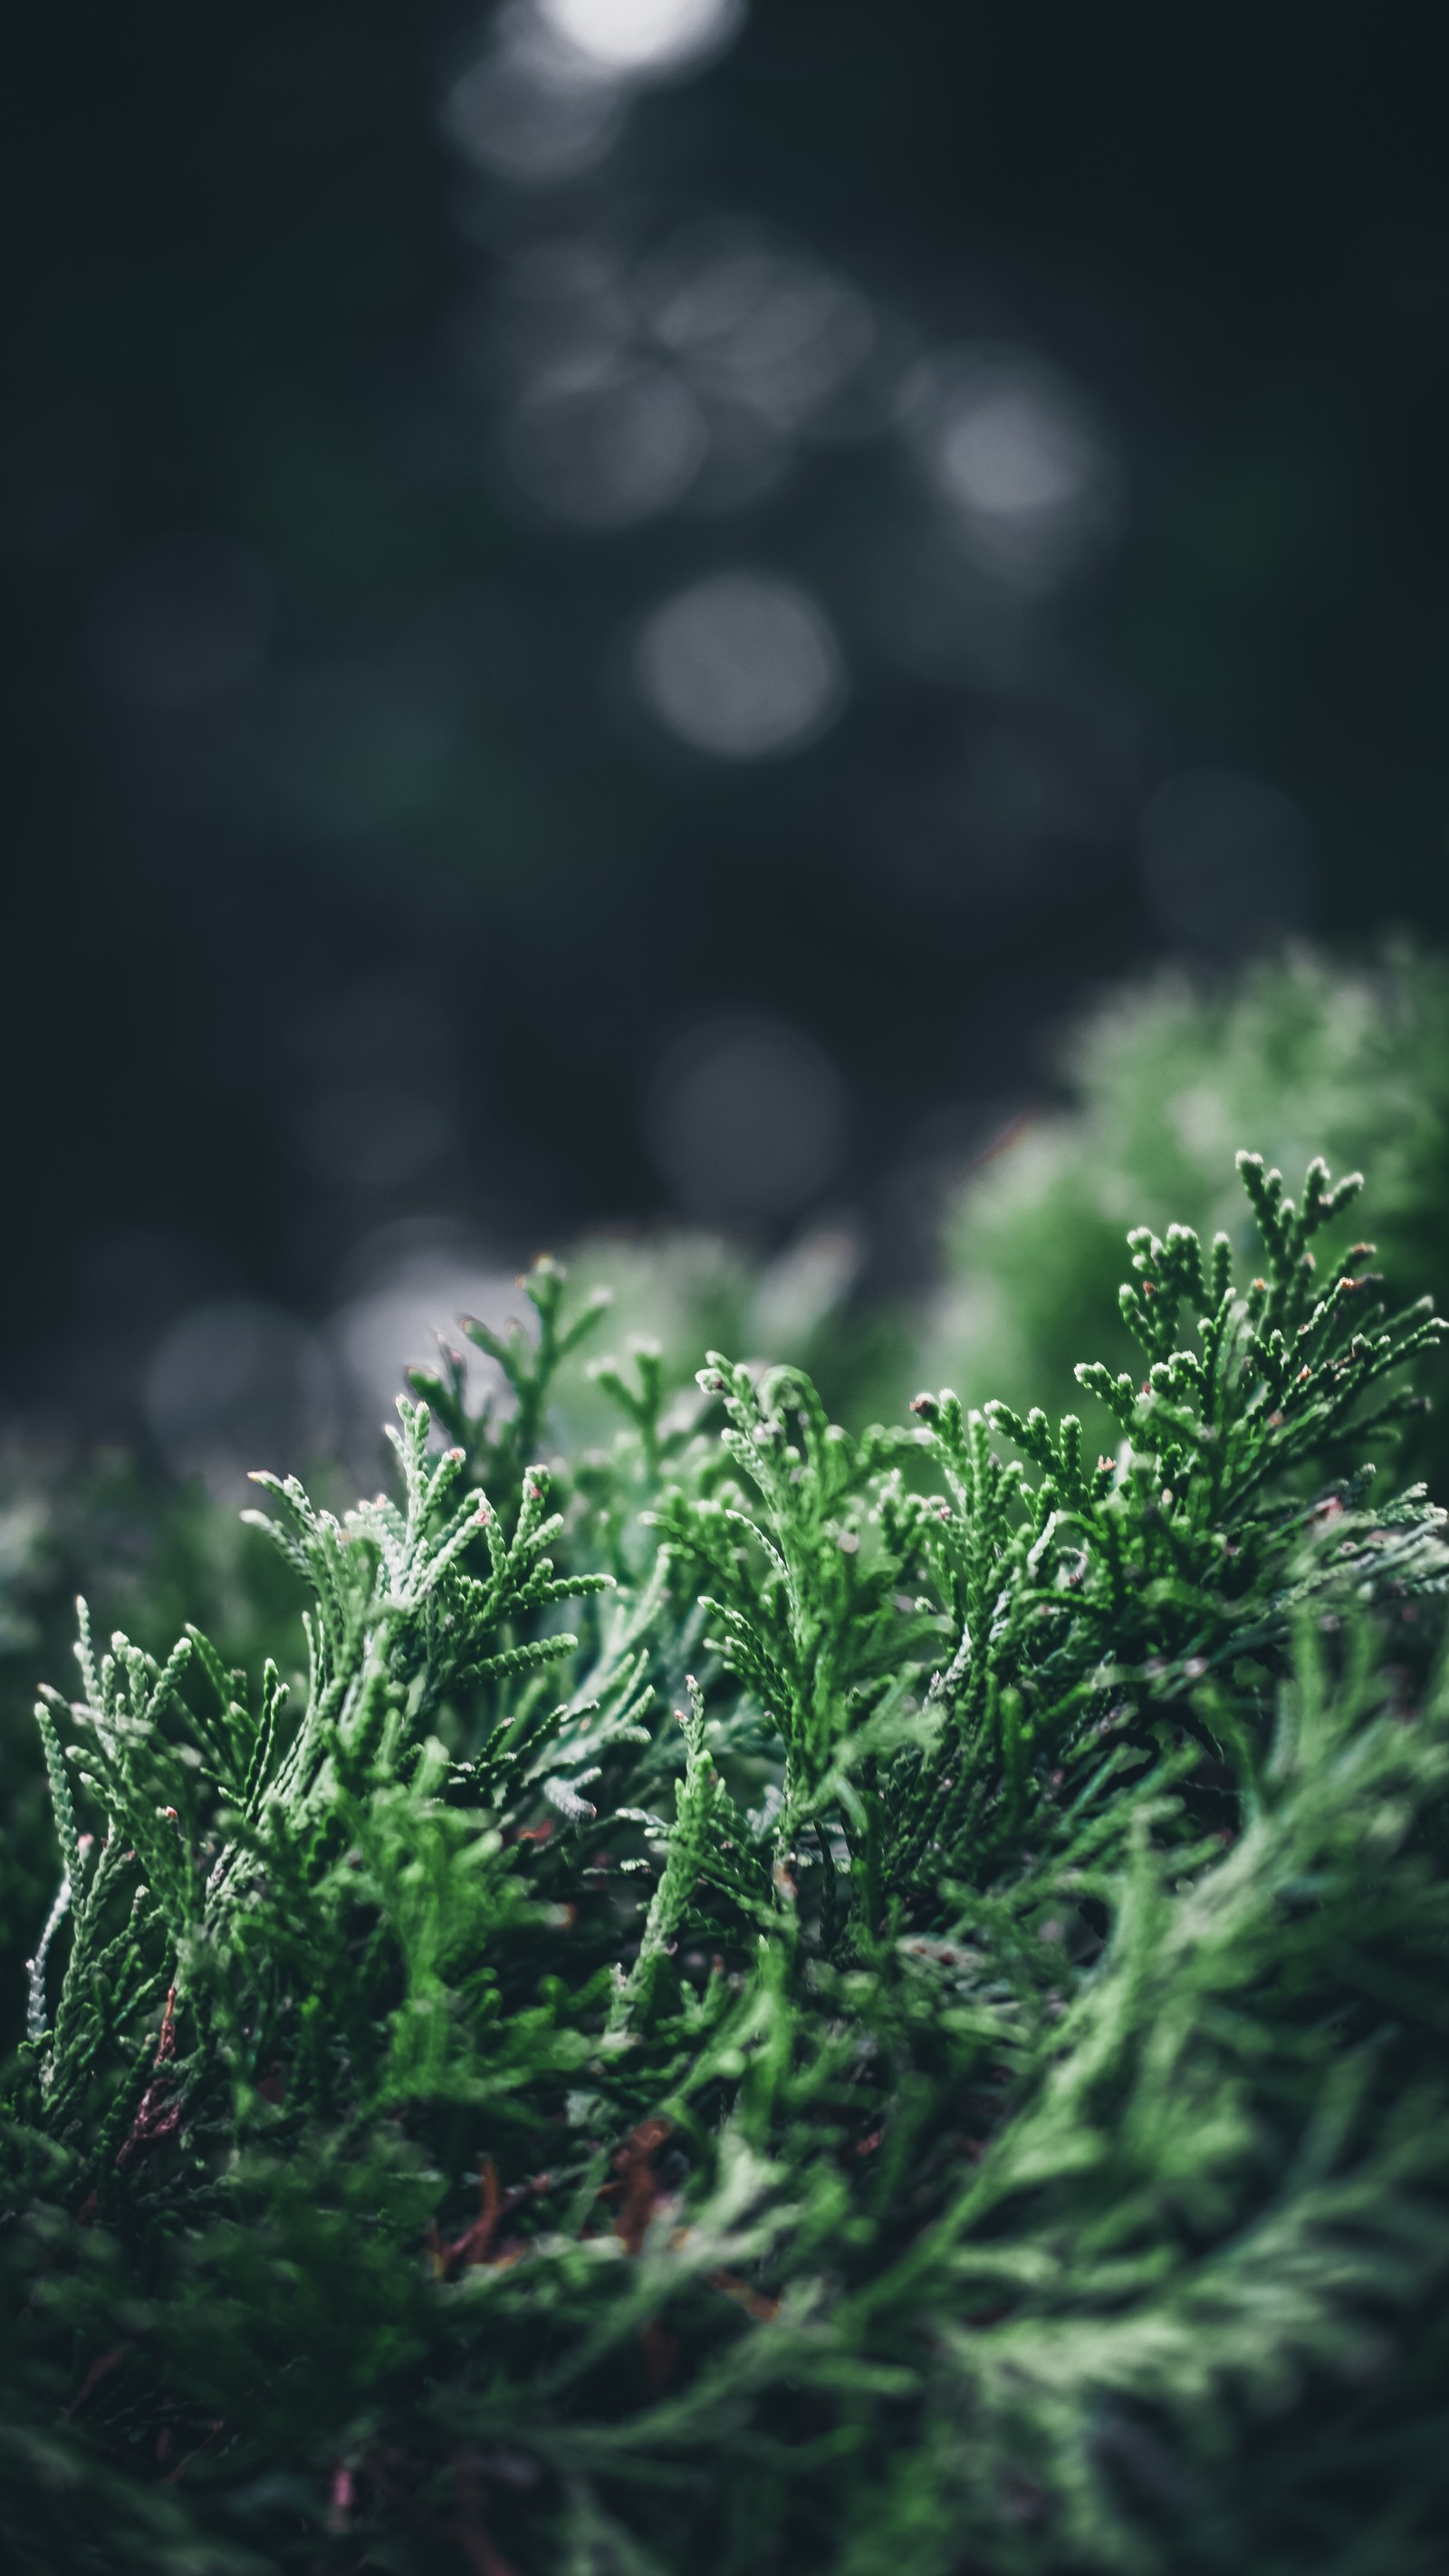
x,y
770,1999
1164,1078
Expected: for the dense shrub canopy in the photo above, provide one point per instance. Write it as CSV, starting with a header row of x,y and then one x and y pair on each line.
x,y
772,1999
1165,1078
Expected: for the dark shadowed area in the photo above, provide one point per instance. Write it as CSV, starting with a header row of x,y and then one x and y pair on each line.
x,y
616,608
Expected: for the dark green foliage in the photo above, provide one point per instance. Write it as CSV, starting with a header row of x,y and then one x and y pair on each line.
x,y
149,1559
1167,1078
771,1998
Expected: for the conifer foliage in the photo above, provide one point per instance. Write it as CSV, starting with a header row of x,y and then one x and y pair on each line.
x,y
768,1999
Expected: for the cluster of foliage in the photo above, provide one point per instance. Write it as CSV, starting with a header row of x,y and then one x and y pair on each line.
x,y
771,1998
1166,1078
149,1556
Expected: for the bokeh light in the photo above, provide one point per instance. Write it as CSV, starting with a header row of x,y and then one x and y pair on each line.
x,y
547,98
526,110
746,1119
409,1283
691,375
644,35
755,322
609,452
743,665
543,503
1012,449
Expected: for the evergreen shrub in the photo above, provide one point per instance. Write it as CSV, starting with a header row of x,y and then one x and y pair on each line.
x,y
771,1998
1164,1079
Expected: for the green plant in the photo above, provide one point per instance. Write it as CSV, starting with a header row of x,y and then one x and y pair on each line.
x,y
772,1999
1166,1077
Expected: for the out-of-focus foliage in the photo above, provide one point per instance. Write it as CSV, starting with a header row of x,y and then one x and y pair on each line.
x,y
686,1292
760,1998
1170,1078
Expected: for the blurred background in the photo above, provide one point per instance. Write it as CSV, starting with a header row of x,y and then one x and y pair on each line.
x,y
619,611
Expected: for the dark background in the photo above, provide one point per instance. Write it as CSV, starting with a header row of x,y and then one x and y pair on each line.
x,y
365,912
